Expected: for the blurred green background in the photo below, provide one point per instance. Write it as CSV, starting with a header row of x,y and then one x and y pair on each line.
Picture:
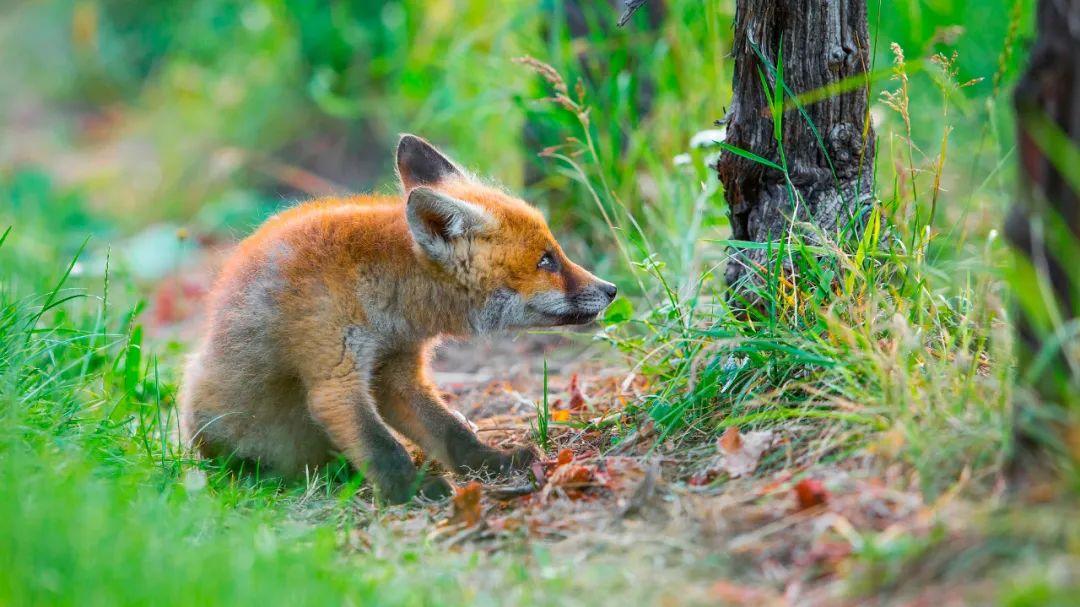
x,y
210,114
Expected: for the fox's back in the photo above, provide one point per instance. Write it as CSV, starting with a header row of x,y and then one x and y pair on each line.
x,y
318,245
329,232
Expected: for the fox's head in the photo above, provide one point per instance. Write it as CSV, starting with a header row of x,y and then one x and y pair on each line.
x,y
494,245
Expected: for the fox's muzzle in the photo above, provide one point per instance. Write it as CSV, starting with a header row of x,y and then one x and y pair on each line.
x,y
577,308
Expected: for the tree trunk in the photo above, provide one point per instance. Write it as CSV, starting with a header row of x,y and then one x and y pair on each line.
x,y
820,43
1044,227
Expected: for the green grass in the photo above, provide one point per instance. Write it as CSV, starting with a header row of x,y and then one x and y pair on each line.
x,y
99,507
541,427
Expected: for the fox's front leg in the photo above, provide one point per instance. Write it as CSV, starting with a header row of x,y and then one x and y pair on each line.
x,y
344,407
411,404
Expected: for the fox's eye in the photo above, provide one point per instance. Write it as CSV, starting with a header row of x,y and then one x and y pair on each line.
x,y
548,263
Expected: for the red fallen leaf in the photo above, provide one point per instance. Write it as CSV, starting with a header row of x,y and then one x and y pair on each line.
x,y
810,492
577,397
467,504
565,457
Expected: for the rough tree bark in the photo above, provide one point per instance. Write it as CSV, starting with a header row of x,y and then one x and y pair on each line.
x,y
821,43
1044,227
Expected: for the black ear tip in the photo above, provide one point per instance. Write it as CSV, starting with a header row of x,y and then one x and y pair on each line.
x,y
420,163
408,141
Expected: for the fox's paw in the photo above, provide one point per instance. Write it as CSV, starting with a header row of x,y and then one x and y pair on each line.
x,y
515,460
435,488
402,487
523,457
497,461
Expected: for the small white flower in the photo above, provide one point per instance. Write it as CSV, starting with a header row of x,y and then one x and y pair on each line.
x,y
194,480
708,138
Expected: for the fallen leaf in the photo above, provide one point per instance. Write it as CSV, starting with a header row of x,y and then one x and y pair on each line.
x,y
739,453
731,440
577,397
571,475
560,415
565,457
810,492
467,504
737,594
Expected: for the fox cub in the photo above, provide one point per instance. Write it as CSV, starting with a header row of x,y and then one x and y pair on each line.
x,y
322,323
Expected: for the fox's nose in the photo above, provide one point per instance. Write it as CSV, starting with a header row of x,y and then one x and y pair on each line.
x,y
608,289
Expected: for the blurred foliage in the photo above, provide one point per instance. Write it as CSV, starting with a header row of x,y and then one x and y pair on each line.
x,y
156,111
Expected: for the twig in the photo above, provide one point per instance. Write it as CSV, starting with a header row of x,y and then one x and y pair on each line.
x,y
631,8
510,491
644,491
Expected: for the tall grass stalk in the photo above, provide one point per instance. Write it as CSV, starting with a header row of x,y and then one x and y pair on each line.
x,y
861,340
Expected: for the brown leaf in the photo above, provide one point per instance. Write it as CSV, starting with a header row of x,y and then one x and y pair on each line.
x,y
577,397
467,504
739,453
565,457
731,440
572,475
810,493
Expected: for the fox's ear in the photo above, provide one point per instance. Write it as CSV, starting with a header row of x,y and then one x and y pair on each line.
x,y
419,163
436,220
